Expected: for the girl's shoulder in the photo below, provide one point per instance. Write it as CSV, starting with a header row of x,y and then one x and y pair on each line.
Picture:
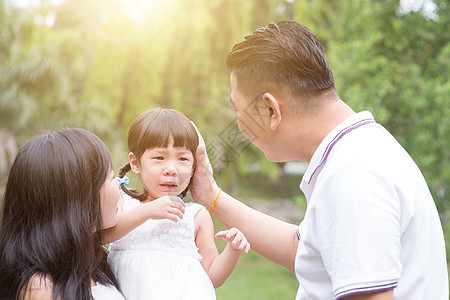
x,y
193,208
129,202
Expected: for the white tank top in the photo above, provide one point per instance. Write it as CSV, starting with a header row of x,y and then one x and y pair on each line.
x,y
106,292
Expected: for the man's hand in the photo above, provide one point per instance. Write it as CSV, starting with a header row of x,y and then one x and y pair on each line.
x,y
203,187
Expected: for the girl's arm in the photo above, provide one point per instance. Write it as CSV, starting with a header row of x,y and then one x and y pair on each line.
x,y
218,267
167,207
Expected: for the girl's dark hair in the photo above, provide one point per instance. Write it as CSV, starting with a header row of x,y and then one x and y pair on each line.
x,y
156,128
283,53
51,216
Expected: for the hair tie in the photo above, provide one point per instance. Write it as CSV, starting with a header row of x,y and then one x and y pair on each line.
x,y
123,181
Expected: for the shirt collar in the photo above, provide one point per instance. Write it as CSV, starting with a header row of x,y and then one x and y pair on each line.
x,y
320,155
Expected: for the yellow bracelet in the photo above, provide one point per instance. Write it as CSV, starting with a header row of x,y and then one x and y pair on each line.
x,y
215,201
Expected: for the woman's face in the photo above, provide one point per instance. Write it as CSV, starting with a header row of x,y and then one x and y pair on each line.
x,y
109,198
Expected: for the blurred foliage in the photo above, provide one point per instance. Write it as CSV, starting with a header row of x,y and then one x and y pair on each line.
x,y
97,64
398,67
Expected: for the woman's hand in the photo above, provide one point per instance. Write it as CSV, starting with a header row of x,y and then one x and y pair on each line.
x,y
166,207
235,238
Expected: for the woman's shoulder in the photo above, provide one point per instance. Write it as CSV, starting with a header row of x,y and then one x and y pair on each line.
x,y
39,287
129,202
101,291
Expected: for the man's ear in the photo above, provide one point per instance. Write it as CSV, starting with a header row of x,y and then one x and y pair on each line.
x,y
134,163
274,110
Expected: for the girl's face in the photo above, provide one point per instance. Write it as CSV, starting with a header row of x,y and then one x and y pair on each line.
x,y
109,197
164,171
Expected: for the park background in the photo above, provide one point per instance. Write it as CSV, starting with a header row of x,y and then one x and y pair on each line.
x,y
97,64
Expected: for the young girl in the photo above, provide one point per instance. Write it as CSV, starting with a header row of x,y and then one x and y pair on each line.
x,y
162,259
60,192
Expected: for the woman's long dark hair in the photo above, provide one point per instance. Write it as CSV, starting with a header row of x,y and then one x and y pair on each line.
x,y
51,216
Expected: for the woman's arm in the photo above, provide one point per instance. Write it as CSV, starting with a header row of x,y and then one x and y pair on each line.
x,y
218,267
167,207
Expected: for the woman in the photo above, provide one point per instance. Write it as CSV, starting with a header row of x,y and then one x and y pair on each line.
x,y
60,194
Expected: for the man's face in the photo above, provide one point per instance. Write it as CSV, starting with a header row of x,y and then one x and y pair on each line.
x,y
253,117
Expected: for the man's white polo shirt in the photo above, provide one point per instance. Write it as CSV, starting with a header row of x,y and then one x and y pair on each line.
x,y
371,223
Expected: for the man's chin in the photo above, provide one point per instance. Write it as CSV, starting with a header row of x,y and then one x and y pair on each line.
x,y
274,158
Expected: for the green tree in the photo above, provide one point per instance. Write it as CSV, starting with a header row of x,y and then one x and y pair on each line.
x,y
172,55
98,64
395,65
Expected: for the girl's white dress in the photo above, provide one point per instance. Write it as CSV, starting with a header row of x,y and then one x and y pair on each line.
x,y
160,260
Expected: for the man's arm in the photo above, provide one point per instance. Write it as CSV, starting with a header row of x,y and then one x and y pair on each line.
x,y
270,237
218,266
385,295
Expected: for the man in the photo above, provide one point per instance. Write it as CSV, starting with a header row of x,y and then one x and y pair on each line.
x,y
371,229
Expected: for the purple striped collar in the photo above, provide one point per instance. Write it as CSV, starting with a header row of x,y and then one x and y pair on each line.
x,y
321,154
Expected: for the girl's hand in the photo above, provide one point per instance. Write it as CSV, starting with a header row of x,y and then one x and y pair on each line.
x,y
235,238
166,207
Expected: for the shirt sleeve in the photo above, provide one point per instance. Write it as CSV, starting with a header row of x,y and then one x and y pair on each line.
x,y
358,219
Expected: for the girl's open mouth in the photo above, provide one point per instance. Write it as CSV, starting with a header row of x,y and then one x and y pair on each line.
x,y
168,185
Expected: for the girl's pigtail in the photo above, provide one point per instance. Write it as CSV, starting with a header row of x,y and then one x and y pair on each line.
x,y
124,170
131,192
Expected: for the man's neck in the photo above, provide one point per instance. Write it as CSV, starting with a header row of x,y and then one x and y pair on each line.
x,y
310,130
